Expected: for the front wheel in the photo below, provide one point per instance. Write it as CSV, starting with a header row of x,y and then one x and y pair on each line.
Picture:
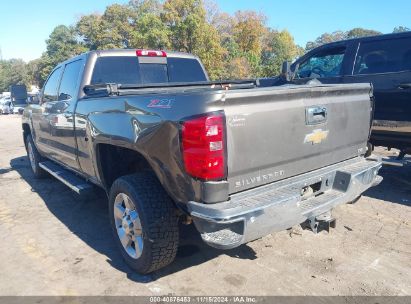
x,y
144,222
34,158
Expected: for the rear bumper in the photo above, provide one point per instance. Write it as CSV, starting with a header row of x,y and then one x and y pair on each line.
x,y
255,213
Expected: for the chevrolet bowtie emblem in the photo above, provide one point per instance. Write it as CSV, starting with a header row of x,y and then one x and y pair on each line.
x,y
316,137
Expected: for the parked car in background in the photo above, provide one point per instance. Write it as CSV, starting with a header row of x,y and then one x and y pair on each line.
x,y
33,98
384,61
18,94
6,106
238,159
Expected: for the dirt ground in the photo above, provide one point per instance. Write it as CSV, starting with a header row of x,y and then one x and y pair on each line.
x,y
53,243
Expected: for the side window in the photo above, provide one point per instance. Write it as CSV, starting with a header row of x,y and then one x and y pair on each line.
x,y
327,63
383,56
68,86
51,86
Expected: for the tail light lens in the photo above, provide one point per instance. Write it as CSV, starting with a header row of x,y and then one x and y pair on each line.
x,y
150,53
203,145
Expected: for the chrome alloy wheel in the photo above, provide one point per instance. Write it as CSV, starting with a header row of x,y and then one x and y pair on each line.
x,y
31,156
128,224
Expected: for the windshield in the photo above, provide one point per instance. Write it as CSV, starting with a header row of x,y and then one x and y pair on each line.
x,y
128,70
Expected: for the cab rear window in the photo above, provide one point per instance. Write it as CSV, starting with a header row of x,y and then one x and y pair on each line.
x,y
128,70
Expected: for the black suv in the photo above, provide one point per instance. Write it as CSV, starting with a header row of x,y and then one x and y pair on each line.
x,y
383,60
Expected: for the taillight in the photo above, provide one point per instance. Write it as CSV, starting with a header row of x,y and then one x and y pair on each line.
x,y
149,53
203,145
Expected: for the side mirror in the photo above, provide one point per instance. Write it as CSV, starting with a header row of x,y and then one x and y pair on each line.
x,y
286,71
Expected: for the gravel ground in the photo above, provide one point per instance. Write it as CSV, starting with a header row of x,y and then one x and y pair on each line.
x,y
53,243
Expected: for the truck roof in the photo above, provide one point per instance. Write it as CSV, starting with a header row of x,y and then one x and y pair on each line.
x,y
132,52
366,38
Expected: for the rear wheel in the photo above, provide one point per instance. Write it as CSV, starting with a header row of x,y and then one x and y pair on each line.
x,y
144,222
34,158
370,148
355,200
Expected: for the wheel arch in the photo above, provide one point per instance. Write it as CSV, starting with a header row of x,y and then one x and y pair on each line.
x,y
113,161
26,131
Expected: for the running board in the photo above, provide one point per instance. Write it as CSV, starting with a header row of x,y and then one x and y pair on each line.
x,y
74,182
395,162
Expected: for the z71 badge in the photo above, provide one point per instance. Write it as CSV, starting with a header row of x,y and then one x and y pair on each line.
x,y
164,103
316,137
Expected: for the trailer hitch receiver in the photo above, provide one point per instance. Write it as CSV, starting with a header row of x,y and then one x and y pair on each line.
x,y
322,222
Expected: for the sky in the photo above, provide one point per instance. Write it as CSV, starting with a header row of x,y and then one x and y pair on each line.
x,y
25,25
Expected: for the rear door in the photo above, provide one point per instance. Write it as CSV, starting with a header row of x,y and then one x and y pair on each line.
x,y
38,113
386,63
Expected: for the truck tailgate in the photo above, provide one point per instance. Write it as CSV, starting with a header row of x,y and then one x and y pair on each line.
x,y
274,134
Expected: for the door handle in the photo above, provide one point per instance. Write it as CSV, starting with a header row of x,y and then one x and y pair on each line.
x,y
315,115
404,86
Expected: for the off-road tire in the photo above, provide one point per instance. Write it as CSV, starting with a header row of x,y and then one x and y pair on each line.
x,y
158,217
36,159
370,149
355,200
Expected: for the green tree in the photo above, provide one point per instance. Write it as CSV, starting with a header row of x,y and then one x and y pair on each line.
x,y
90,30
118,22
191,33
249,31
143,7
237,68
401,29
326,38
150,31
33,75
279,47
134,25
359,32
113,29
186,20
12,71
340,35
61,45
